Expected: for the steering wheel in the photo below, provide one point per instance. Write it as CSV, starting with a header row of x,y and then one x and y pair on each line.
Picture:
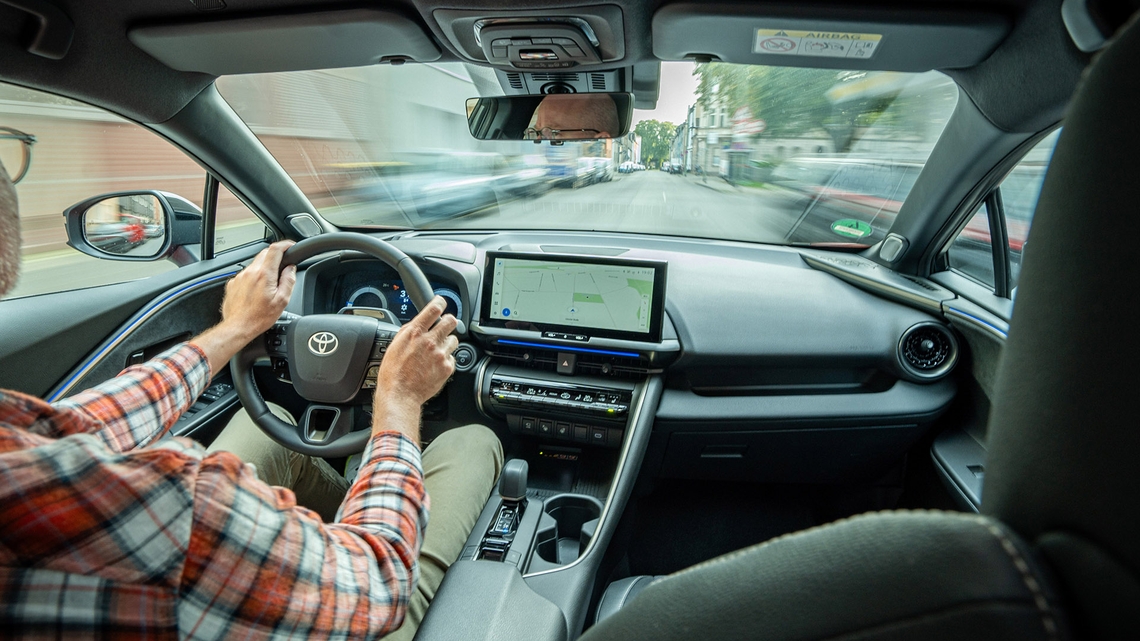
x,y
331,357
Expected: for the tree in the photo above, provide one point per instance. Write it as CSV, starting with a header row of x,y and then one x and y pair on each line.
x,y
796,102
656,140
792,101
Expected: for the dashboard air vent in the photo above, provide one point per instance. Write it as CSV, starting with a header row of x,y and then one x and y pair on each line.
x,y
928,350
515,80
921,283
598,81
554,77
588,364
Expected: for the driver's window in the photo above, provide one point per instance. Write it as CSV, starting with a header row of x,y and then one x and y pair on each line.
x,y
72,152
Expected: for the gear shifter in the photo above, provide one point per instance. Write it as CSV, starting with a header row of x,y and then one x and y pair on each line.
x,y
512,481
512,489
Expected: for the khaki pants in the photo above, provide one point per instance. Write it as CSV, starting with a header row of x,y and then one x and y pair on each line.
x,y
461,467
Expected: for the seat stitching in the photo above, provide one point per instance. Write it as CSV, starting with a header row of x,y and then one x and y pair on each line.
x,y
601,607
1031,582
620,603
728,558
919,617
625,595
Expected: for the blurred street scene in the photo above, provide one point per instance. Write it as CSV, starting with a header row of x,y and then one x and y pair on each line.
x,y
764,154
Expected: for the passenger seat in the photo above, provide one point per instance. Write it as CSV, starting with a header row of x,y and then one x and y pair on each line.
x,y
621,592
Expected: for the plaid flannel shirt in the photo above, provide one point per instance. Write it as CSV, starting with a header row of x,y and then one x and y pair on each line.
x,y
108,531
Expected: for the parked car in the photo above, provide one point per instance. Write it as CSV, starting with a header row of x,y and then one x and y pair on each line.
x,y
524,176
429,185
603,169
837,199
587,173
116,238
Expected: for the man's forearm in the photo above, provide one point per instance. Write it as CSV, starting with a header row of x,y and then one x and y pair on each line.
x,y
396,415
221,342
138,405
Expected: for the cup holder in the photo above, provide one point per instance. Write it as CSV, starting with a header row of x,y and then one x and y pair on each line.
x,y
567,526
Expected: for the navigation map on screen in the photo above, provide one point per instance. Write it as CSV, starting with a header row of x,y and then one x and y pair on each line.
x,y
612,297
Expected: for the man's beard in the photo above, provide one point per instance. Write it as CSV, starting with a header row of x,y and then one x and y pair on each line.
x,y
9,234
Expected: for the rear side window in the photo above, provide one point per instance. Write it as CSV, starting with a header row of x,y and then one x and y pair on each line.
x,y
990,248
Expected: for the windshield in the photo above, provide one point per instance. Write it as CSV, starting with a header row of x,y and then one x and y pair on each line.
x,y
767,154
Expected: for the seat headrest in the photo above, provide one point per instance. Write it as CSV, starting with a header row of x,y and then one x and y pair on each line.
x,y
1064,439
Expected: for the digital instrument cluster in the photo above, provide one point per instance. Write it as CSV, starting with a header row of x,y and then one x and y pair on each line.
x,y
364,290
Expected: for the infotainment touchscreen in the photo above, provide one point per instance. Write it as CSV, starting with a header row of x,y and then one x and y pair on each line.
x,y
581,296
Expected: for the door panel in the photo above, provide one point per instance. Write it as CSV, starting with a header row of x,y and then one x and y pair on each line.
x,y
46,340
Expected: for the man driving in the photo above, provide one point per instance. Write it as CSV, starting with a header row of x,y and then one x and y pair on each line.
x,y
111,528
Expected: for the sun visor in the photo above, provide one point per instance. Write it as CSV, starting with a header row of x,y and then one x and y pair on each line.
x,y
827,37
321,40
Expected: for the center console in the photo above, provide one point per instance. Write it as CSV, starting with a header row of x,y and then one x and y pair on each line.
x,y
587,411
573,349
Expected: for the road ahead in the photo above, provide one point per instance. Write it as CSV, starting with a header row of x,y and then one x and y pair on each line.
x,y
649,202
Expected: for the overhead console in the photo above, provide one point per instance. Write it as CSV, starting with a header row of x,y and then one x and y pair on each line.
x,y
543,51
536,39
887,39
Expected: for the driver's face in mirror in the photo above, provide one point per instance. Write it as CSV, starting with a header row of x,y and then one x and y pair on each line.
x,y
581,116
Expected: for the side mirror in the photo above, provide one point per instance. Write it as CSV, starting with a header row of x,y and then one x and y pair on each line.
x,y
134,226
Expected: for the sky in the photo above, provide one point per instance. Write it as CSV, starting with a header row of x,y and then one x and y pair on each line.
x,y
678,91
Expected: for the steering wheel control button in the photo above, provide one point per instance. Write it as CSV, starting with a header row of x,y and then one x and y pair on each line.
x,y
370,377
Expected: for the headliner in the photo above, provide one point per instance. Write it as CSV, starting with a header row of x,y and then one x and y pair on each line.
x,y
1022,86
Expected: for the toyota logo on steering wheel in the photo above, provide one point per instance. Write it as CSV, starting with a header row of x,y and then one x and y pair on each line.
x,y
322,343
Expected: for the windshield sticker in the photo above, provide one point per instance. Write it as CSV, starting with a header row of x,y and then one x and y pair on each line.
x,y
851,228
824,44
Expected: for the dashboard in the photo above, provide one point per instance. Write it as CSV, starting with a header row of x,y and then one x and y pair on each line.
x,y
775,366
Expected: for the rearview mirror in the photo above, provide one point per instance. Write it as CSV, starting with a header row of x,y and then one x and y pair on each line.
x,y
554,117
132,226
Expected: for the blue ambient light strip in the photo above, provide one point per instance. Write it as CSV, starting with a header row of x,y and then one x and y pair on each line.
x,y
567,348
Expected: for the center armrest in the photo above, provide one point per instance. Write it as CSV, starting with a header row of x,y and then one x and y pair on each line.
x,y
488,600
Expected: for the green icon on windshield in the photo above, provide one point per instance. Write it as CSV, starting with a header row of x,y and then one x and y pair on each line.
x,y
851,228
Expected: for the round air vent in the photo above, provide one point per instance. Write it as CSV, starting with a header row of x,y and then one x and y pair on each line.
x,y
928,350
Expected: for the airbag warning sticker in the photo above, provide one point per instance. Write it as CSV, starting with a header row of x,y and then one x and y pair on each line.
x,y
824,44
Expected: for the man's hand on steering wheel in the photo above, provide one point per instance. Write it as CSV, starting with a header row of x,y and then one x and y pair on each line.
x,y
257,295
417,365
332,359
254,300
